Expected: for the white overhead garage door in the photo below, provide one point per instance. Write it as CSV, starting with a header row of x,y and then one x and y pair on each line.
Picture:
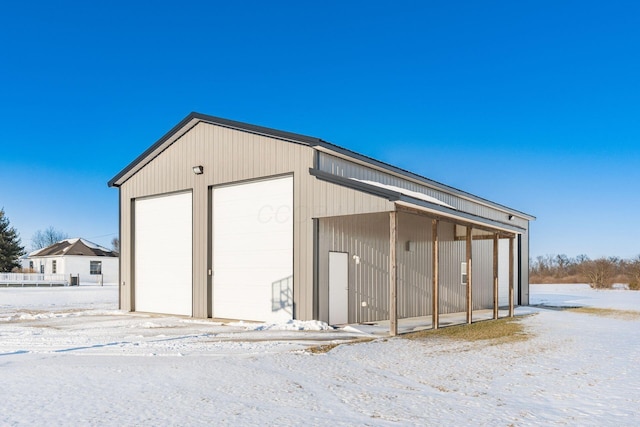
x,y
253,250
163,254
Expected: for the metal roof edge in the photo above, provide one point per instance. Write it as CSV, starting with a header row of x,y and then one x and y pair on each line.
x,y
114,182
260,130
194,118
356,185
394,169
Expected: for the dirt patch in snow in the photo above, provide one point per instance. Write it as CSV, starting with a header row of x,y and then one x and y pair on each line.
x,y
505,330
608,312
325,348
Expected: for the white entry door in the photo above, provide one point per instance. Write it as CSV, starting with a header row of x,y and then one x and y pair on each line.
x,y
253,250
163,254
338,288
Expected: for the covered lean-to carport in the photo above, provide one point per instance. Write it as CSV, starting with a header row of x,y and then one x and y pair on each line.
x,y
222,219
422,259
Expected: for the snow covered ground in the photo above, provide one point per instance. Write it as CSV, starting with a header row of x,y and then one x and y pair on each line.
x,y
68,357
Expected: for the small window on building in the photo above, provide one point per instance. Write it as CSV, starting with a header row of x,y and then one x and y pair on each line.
x,y
463,273
54,267
95,267
41,268
31,265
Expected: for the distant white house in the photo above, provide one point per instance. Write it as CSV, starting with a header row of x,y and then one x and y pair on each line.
x,y
78,258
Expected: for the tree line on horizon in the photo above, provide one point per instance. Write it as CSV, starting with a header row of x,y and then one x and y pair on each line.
x,y
599,273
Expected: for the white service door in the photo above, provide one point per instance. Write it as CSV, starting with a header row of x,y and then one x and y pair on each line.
x,y
338,288
163,254
253,250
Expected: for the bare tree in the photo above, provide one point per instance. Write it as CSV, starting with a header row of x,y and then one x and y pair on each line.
x,y
115,244
42,239
599,273
582,258
632,268
562,262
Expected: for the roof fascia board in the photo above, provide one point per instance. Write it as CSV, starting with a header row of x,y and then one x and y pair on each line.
x,y
457,215
259,130
44,256
356,185
363,160
88,256
149,154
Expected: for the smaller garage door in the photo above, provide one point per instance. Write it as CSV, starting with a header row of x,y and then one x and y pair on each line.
x,y
163,254
253,250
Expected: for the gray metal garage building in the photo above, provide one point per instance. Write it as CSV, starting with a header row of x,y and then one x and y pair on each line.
x,y
229,220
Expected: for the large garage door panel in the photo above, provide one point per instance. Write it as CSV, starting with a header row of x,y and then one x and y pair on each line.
x,y
253,250
163,254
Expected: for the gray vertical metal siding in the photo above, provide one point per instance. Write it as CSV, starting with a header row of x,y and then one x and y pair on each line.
x,y
365,236
452,294
227,156
345,168
415,272
482,265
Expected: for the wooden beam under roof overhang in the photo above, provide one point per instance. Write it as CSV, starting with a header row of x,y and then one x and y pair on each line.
x,y
478,234
435,261
477,226
440,210
393,273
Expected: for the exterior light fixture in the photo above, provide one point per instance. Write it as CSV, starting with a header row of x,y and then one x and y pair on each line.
x,y
510,216
198,170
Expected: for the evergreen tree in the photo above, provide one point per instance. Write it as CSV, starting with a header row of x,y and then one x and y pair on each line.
x,y
10,248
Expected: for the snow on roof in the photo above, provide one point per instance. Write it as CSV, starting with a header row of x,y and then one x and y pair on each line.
x,y
406,192
94,245
76,246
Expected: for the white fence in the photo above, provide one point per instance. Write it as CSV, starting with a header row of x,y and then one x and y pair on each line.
x,y
33,279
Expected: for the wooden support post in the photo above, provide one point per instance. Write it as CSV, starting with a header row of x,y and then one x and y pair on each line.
x,y
495,275
435,314
393,276
511,239
469,278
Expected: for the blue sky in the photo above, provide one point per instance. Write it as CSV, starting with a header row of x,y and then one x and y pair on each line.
x,y
532,104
